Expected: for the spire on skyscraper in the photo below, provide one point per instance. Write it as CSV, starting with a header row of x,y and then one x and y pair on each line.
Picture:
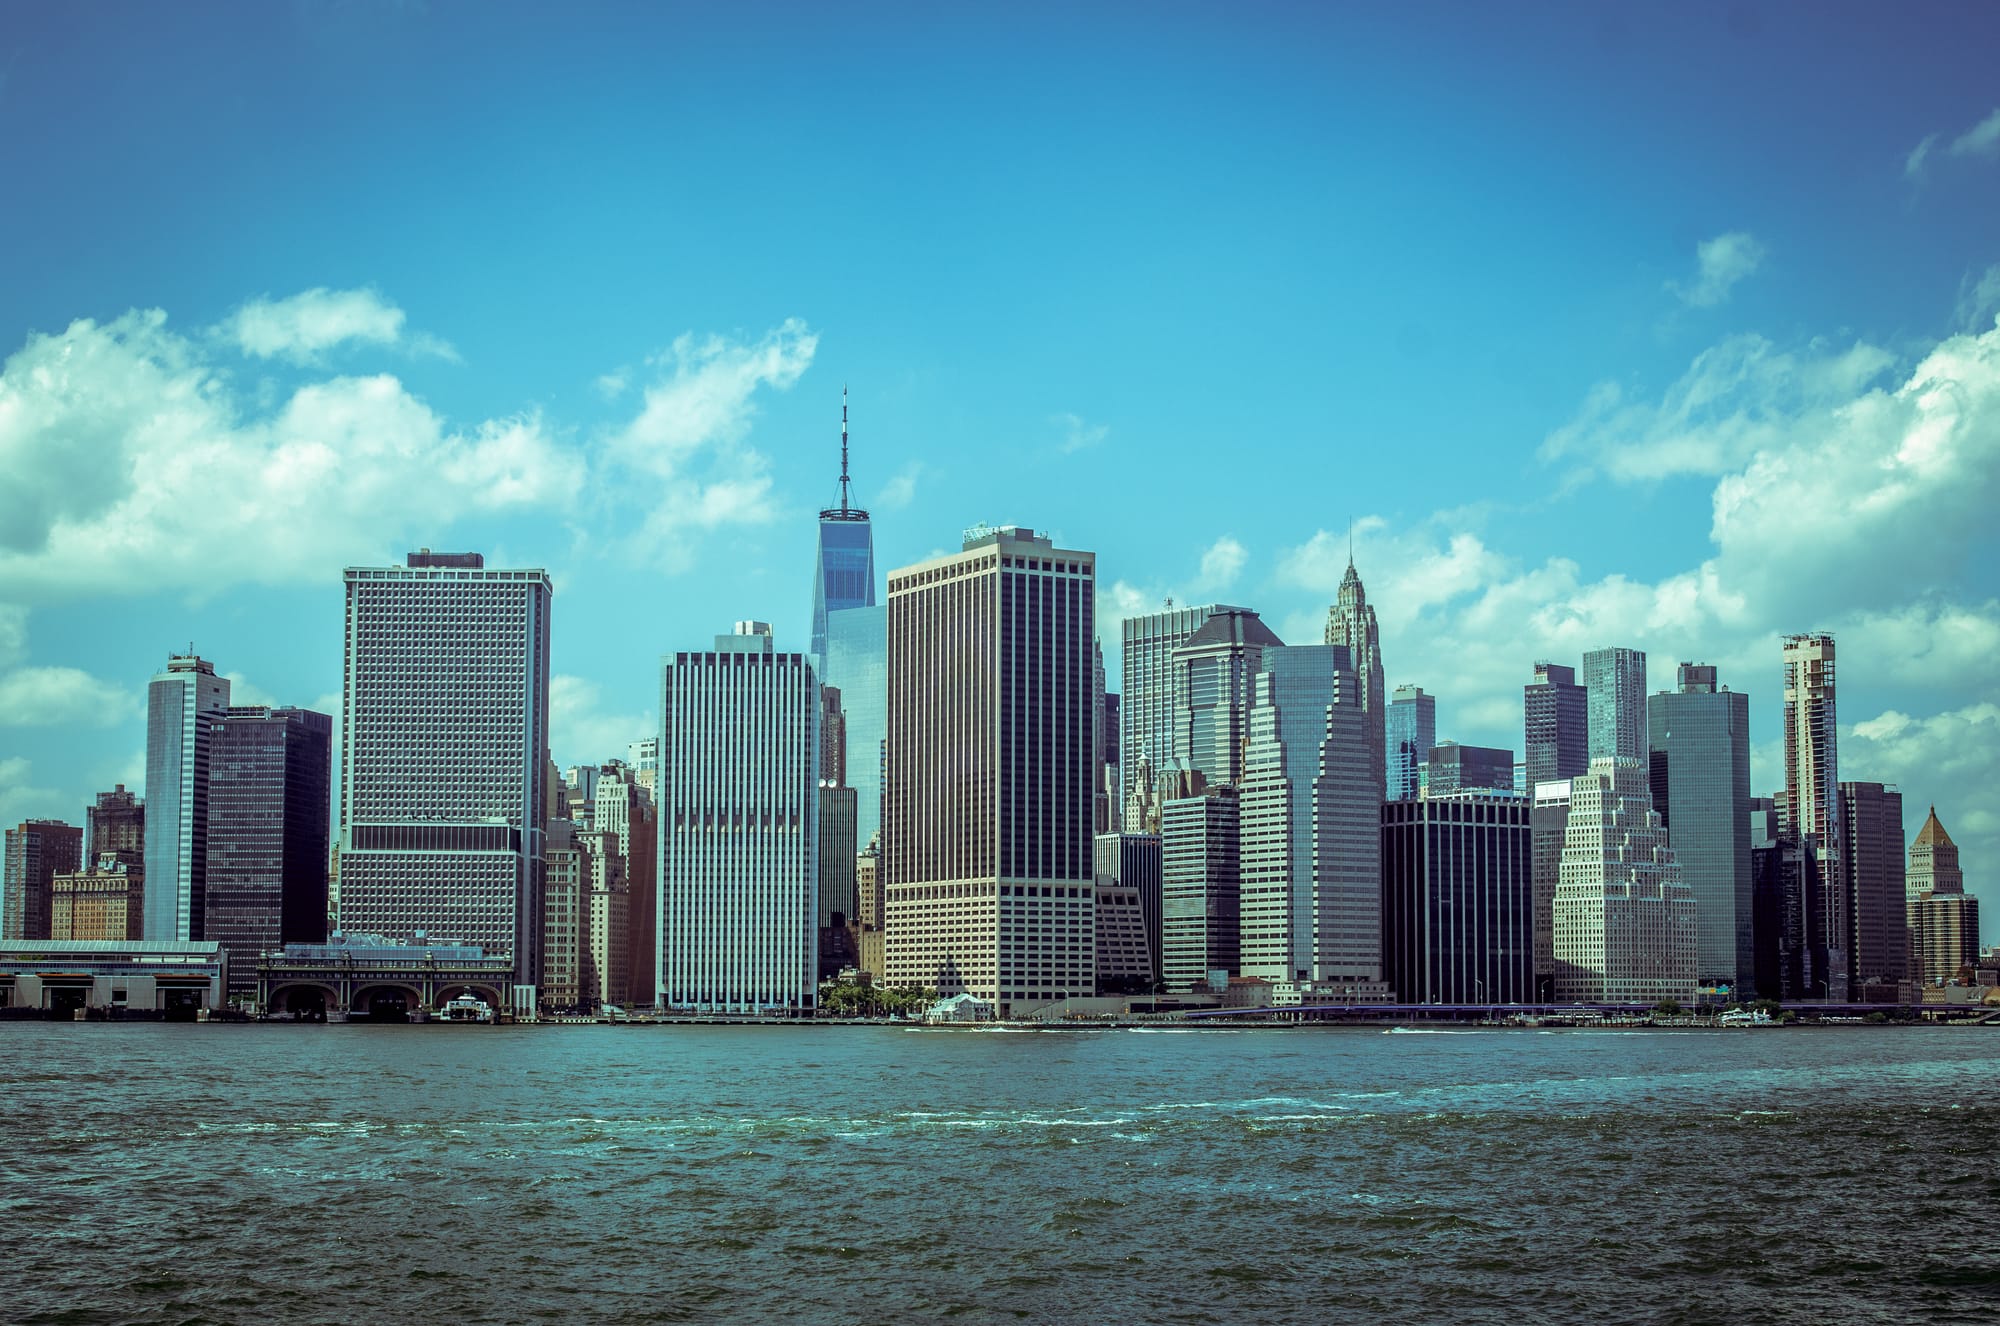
x,y
846,510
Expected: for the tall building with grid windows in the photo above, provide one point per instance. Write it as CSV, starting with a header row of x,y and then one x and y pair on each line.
x,y
739,828
1614,683
1149,701
1412,728
444,768
1624,921
992,771
269,776
1698,769
181,704
1555,726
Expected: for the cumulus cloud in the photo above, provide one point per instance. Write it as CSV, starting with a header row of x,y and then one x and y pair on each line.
x,y
1978,299
60,697
1077,434
1221,564
1719,264
21,799
302,327
13,632
684,455
581,731
1737,397
128,461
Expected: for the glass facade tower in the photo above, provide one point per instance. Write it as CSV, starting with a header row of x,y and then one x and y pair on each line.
x,y
844,573
857,664
181,704
1412,731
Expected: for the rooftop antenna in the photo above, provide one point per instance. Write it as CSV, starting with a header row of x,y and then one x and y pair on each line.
x,y
1350,540
846,510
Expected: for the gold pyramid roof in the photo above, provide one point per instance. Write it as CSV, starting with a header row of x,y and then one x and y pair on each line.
x,y
1933,834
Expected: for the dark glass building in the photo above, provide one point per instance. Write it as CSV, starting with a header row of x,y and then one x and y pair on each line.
x,y
1458,909
1456,768
1556,730
270,778
36,852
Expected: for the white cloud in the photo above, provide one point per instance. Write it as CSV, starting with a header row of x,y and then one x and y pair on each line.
x,y
1981,140
1076,434
1978,299
580,731
128,463
52,697
244,691
302,327
1221,564
683,457
1719,264
612,385
13,632
901,490
20,799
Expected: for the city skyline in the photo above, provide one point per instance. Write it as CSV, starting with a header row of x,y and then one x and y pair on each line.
x,y
1660,369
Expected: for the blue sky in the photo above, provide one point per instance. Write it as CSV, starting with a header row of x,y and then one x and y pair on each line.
x,y
1656,325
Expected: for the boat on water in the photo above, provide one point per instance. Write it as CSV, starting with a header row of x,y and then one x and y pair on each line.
x,y
466,1008
1747,1017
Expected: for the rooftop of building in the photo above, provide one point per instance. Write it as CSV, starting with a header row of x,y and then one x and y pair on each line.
x,y
1233,626
1933,834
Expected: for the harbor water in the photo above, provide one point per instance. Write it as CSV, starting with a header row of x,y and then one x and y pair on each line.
x,y
463,1174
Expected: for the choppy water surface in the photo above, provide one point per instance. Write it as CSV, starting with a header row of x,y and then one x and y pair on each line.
x,y
468,1174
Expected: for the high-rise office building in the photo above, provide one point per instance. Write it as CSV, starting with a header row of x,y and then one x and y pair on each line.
x,y
1149,703
564,871
844,574
1548,821
269,784
1614,681
116,823
1351,622
1555,726
1943,917
1455,768
992,745
739,828
1810,809
37,851
1310,893
604,920
857,662
1624,922
444,761
839,904
1213,668
1411,732
1458,912
644,757
1872,880
832,738
622,806
180,704
1698,769
1129,863
1200,887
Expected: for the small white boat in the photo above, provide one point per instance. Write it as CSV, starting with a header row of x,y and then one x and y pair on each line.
x,y
1747,1017
466,1008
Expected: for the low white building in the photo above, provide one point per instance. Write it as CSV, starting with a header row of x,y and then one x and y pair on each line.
x,y
960,1008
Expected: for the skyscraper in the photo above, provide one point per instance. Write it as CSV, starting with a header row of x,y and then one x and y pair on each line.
x,y
839,905
1310,891
116,823
1556,726
1810,810
445,737
739,828
1411,732
992,763
844,574
623,807
1351,622
1200,887
1213,668
1548,821
1149,700
180,704
1872,878
1943,917
1698,739
270,775
1614,681
36,852
1458,900
857,662
1130,863
1624,920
